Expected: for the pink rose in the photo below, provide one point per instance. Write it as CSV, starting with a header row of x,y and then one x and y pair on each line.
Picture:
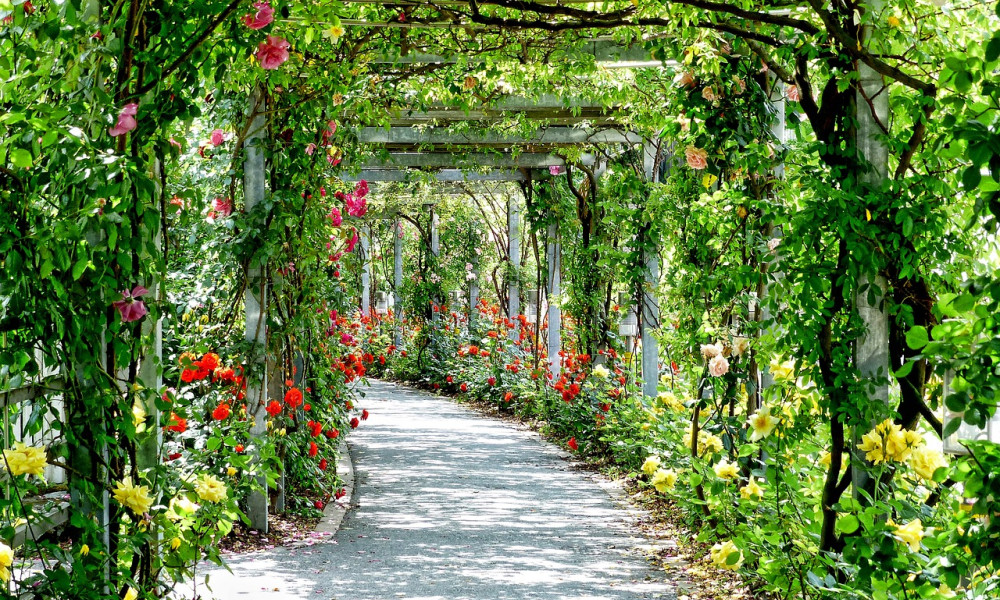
x,y
310,149
346,339
792,92
356,206
555,170
697,158
128,307
361,189
335,217
217,137
351,243
223,206
126,120
718,366
273,52
262,18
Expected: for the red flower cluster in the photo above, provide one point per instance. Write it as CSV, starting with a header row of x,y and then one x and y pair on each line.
x,y
315,428
221,412
177,423
293,398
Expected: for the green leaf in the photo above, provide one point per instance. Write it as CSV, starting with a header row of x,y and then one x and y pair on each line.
x,y
951,427
696,479
904,370
971,178
20,157
917,338
848,524
79,268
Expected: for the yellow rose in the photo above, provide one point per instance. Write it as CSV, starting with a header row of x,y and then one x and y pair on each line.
x,y
651,464
84,550
25,460
721,553
762,423
924,461
752,490
668,400
6,560
211,489
135,498
664,480
230,471
175,543
138,414
910,534
726,470
601,371
131,594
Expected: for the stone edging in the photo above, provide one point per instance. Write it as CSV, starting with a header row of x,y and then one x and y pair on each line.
x,y
333,514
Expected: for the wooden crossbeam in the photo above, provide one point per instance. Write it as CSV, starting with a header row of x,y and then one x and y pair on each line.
x,y
471,160
442,175
550,136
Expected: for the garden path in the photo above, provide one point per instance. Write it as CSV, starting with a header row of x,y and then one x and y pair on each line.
x,y
451,505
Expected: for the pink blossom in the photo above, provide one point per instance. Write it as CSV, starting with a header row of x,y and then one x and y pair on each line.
x,y
262,18
351,243
356,206
346,339
126,120
555,170
176,144
128,307
400,232
697,158
273,52
709,94
217,137
310,149
223,206
335,217
331,129
361,189
793,94
718,366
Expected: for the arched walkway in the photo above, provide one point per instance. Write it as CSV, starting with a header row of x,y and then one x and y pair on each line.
x,y
452,505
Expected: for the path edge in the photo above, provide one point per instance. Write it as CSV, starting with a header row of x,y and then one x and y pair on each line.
x,y
334,513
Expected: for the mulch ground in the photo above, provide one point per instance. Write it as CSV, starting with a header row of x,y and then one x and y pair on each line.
x,y
284,530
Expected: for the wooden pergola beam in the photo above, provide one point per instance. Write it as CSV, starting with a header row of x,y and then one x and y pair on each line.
x,y
550,136
441,175
472,160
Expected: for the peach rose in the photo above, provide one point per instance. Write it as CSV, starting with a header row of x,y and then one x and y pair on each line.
x,y
697,158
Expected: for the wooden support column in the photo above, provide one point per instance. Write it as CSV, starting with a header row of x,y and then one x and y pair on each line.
x,y
366,275
474,282
255,301
777,104
650,307
397,284
513,260
553,255
148,449
871,351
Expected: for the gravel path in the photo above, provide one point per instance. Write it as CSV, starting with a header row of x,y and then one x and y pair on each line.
x,y
451,505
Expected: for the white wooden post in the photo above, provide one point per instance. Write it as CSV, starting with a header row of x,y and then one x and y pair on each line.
x,y
366,266
777,103
435,251
474,282
514,260
148,452
553,252
871,351
650,305
397,284
255,300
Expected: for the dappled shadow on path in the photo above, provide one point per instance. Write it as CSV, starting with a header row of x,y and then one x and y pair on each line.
x,y
450,505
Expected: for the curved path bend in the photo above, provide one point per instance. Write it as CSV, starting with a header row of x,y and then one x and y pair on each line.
x,y
452,505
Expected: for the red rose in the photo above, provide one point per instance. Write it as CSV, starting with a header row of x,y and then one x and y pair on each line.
x,y
572,443
322,465
274,409
354,423
221,412
364,415
313,449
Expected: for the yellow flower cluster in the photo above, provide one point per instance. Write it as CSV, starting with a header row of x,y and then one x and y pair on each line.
x,y
210,489
651,464
708,443
720,555
134,497
25,460
726,470
668,400
889,442
664,480
6,560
